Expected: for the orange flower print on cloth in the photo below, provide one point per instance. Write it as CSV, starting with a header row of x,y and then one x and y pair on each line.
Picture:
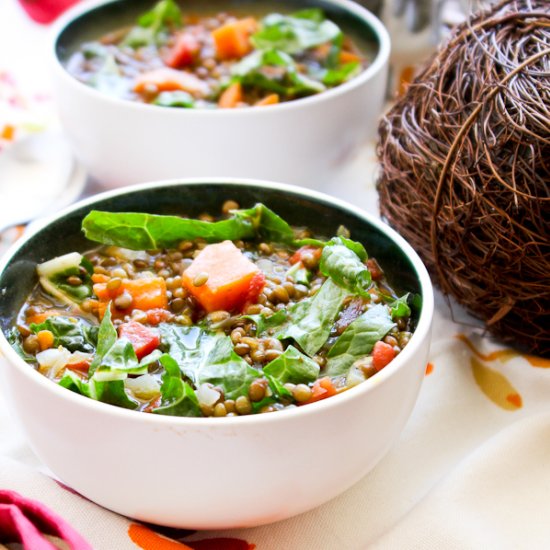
x,y
496,386
148,538
504,355
492,382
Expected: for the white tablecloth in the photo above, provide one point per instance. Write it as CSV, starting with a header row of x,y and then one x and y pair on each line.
x,y
470,471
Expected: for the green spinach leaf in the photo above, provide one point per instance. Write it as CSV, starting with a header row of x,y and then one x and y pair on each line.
x,y
54,274
310,320
295,33
341,261
358,339
69,332
338,75
106,337
119,361
400,307
224,368
275,71
208,357
293,366
139,231
151,25
188,346
177,396
300,274
115,357
264,323
111,391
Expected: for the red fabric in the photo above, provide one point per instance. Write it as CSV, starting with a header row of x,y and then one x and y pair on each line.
x,y
25,520
45,11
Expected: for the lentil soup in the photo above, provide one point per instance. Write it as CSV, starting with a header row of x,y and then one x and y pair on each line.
x,y
220,315
173,56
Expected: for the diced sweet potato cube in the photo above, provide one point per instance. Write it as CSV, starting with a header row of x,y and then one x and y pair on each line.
x,y
146,293
232,40
222,278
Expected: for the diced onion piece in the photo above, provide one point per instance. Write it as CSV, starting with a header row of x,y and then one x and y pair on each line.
x,y
126,254
79,357
143,387
207,395
52,361
59,265
355,376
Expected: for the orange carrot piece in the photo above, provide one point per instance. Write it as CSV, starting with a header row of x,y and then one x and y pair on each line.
x,y
100,278
39,318
231,96
315,251
271,99
321,52
82,366
382,354
166,79
232,41
321,389
349,57
231,277
147,294
45,339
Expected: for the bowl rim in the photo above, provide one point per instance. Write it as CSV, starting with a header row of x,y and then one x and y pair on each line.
x,y
422,332
379,63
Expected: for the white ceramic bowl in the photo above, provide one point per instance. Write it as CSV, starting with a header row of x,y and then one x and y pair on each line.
x,y
212,473
306,141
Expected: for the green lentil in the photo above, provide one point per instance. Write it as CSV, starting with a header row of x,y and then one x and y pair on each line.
x,y
257,390
243,405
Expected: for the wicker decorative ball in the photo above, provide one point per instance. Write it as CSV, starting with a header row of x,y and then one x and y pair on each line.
x,y
465,169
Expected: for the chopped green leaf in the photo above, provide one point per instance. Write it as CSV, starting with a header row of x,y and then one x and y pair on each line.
x,y
275,71
153,23
358,339
224,368
119,361
149,231
293,366
299,274
54,275
340,261
295,33
188,346
310,320
69,332
177,396
106,338
112,391
400,307
338,75
208,357
264,323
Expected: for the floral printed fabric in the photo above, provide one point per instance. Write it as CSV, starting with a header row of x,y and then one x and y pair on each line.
x,y
470,471
28,521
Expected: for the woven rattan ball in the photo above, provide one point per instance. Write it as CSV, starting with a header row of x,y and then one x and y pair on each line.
x,y
465,169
